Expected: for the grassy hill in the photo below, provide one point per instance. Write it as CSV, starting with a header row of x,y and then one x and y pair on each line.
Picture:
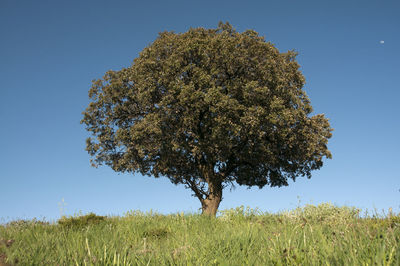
x,y
311,235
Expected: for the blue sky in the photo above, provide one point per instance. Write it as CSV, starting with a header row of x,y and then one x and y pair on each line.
x,y
51,50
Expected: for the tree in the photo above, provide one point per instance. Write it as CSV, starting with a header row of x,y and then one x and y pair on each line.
x,y
207,108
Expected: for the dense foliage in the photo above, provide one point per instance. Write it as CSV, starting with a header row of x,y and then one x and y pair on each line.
x,y
208,108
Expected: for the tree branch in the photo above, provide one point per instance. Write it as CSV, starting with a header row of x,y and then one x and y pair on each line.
x,y
198,191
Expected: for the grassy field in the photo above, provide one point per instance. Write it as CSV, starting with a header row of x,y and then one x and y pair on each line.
x,y
310,235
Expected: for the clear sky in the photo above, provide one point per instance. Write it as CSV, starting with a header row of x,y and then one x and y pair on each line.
x,y
50,51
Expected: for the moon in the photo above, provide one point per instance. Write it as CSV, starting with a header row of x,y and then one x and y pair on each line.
x,y
382,42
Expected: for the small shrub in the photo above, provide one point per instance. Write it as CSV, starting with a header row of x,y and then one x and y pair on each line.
x,y
81,221
239,213
325,212
26,223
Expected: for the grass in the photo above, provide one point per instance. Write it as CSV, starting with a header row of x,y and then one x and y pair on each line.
x,y
311,235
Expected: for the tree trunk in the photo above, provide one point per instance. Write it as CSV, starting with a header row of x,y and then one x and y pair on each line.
x,y
210,204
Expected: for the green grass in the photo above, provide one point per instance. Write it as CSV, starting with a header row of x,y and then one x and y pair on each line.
x,y
311,235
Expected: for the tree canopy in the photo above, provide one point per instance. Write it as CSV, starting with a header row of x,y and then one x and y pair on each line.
x,y
208,108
